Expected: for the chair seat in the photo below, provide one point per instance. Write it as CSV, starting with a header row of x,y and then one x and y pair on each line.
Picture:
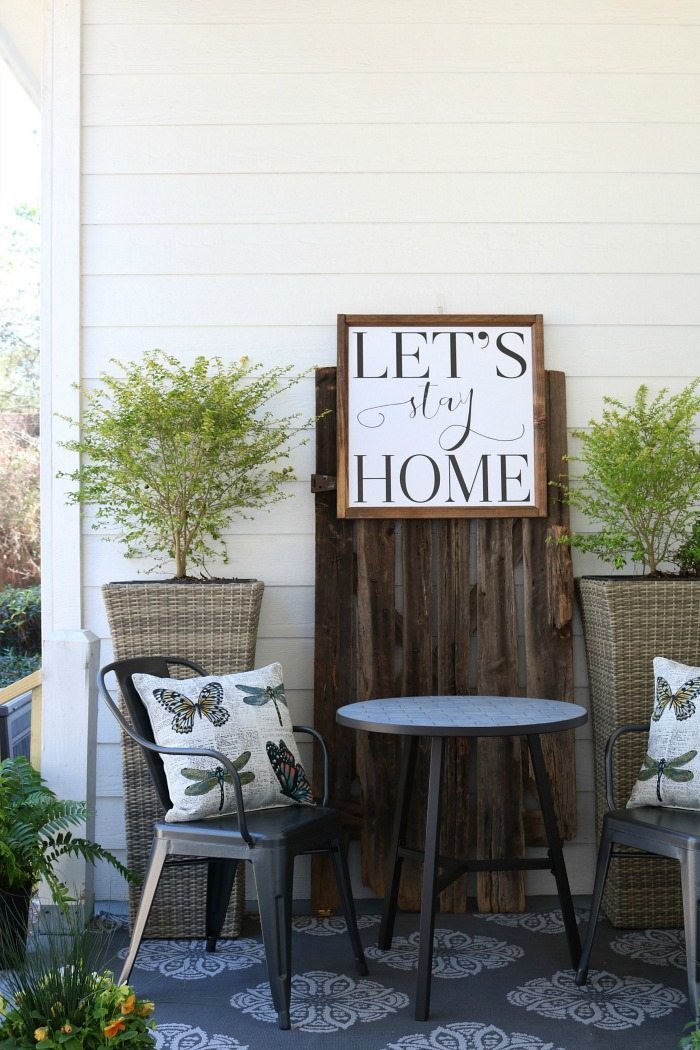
x,y
680,828
269,828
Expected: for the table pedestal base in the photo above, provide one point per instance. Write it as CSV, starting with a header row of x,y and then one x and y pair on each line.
x,y
434,882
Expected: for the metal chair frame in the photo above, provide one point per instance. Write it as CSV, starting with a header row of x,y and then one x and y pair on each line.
x,y
269,839
666,832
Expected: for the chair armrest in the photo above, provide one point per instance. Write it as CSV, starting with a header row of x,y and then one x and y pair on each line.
x,y
324,751
631,727
196,752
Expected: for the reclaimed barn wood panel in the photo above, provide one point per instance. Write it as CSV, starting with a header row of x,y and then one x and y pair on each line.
x,y
420,606
498,769
548,614
453,643
333,664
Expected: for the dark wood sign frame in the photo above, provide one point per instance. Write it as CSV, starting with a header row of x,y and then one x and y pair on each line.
x,y
424,398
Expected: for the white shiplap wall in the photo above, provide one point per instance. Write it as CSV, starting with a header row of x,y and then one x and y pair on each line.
x,y
249,170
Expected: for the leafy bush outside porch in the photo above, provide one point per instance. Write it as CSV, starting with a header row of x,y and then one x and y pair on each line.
x,y
20,632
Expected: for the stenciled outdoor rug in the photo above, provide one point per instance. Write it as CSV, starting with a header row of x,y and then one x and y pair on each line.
x,y
501,982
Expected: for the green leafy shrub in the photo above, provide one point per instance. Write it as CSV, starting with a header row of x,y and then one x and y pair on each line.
x,y
641,478
170,453
688,556
15,665
20,619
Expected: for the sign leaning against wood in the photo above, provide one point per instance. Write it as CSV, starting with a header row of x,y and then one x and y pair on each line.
x,y
441,416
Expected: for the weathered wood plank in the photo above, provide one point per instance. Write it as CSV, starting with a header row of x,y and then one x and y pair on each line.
x,y
548,616
416,675
417,647
452,678
333,664
377,754
499,791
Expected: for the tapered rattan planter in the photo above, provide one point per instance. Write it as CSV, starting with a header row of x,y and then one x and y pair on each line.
x,y
627,622
216,625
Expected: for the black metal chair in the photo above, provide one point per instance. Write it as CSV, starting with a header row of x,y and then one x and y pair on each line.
x,y
657,830
268,839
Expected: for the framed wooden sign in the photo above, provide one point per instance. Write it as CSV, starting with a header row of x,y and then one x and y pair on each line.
x,y
441,416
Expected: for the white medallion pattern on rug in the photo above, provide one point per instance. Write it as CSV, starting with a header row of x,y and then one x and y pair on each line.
x,y
324,1002
607,1002
455,954
657,947
184,1037
534,922
469,1035
331,925
189,961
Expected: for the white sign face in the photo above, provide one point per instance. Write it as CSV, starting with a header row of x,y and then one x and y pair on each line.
x,y
440,420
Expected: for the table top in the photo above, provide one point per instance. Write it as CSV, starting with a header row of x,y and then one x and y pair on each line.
x,y
462,715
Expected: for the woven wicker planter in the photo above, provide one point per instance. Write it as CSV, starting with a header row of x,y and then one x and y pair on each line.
x,y
627,622
216,625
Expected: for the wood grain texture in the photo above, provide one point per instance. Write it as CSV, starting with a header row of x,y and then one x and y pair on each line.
x,y
377,755
500,830
453,645
549,610
333,663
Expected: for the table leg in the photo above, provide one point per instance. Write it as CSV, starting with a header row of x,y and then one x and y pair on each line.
x,y
398,839
555,851
430,863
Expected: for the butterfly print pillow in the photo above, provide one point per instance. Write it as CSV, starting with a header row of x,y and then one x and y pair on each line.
x,y
670,773
246,717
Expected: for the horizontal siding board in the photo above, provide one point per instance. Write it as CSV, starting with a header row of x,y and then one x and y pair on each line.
x,y
579,858
396,48
523,12
110,887
407,248
301,299
285,562
386,198
274,147
593,351
380,97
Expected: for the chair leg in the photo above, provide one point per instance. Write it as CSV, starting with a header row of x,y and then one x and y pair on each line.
x,y
601,874
159,851
274,870
342,878
220,876
690,922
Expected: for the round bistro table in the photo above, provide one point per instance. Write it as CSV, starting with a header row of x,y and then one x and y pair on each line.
x,y
437,717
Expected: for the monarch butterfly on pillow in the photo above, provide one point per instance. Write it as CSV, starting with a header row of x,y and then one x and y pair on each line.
x,y
292,778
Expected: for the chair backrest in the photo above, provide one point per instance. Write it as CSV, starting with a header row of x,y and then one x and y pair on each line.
x,y
140,728
630,727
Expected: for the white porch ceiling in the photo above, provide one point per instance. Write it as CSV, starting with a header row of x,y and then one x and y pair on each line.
x,y
21,42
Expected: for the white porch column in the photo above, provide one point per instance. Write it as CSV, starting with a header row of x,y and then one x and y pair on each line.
x,y
69,725
69,653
